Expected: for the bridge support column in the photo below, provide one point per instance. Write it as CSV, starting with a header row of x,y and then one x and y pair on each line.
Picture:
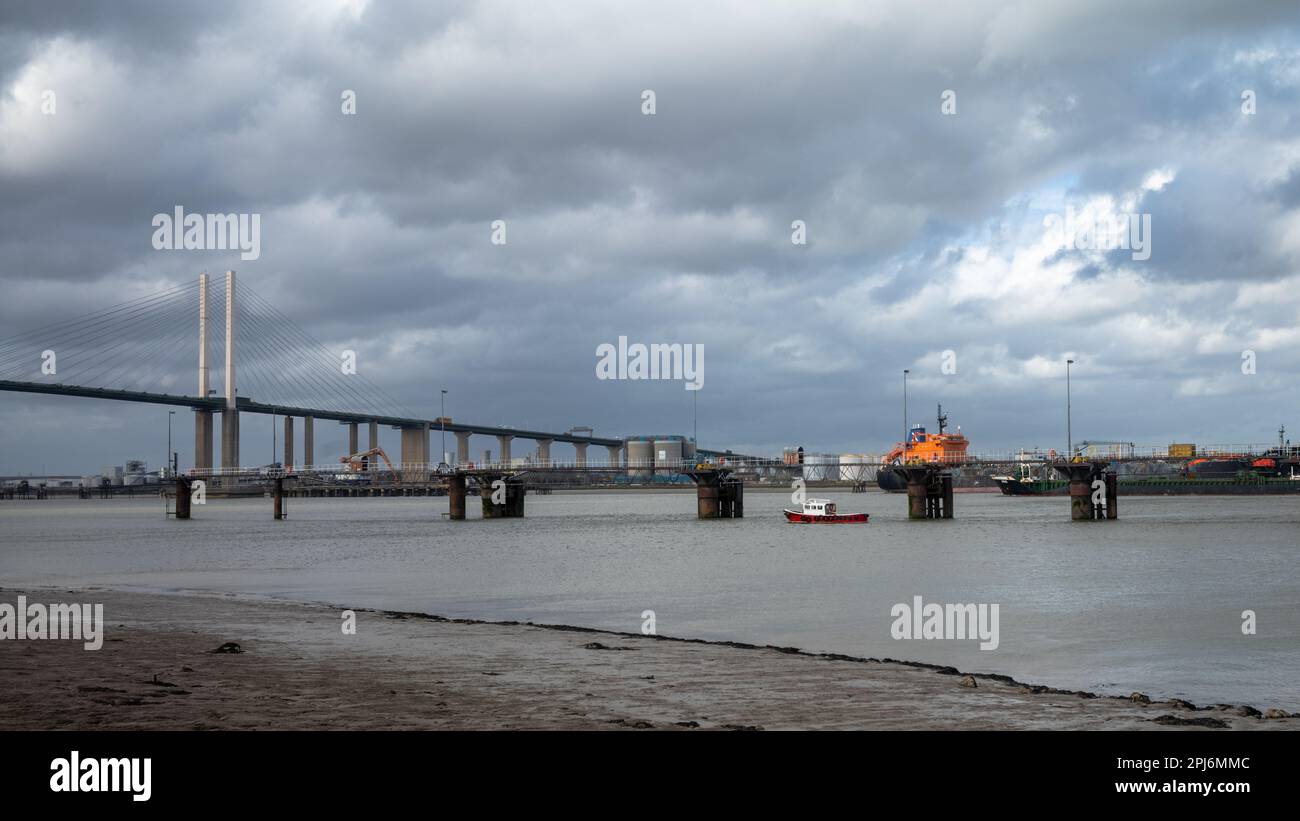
x,y
230,439
544,451
288,442
308,441
456,497
1090,483
374,434
503,441
352,438
615,455
581,448
462,447
415,451
202,440
202,418
230,414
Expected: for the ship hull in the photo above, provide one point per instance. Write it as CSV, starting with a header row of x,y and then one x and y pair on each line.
x,y
795,517
1163,487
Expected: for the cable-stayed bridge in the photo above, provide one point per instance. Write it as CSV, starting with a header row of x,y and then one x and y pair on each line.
x,y
138,351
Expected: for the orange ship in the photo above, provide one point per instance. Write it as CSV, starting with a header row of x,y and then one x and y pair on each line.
x,y
924,447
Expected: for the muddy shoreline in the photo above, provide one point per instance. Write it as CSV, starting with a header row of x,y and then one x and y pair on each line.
x,y
295,669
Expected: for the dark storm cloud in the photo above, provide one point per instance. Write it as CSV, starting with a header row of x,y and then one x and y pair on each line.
x,y
924,230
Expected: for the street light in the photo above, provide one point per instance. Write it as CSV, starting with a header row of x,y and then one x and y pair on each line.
x,y
170,414
905,437
442,419
1069,431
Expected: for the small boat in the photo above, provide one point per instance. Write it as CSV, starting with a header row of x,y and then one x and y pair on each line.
x,y
822,511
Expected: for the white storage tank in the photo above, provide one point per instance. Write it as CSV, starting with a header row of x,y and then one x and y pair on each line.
x,y
668,455
640,457
821,467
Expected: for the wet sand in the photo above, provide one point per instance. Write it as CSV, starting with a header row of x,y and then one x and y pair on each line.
x,y
297,670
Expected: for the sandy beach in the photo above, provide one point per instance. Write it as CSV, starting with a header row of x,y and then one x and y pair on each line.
x,y
297,670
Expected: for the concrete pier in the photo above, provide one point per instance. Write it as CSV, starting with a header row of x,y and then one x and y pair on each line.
x,y
1094,491
288,442
277,499
352,438
230,413
503,441
615,454
512,507
929,491
456,497
203,418
182,497
374,435
544,451
462,447
718,495
581,458
308,441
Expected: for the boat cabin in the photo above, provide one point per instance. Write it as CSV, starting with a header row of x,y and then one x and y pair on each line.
x,y
819,507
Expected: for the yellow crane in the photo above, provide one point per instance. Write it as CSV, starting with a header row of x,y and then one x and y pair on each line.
x,y
358,462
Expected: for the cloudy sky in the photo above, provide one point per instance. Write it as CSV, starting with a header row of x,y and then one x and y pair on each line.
x,y
928,148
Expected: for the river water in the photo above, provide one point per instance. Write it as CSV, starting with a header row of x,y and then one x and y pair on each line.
x,y
1151,602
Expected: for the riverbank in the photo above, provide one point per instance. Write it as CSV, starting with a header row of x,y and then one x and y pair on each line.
x,y
296,669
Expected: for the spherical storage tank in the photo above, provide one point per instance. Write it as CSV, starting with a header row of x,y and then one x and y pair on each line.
x,y
640,457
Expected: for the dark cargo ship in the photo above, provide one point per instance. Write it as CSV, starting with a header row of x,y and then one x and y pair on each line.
x,y
1275,472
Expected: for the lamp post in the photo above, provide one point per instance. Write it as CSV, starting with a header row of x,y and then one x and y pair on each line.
x,y
170,414
1069,430
905,437
695,417
442,420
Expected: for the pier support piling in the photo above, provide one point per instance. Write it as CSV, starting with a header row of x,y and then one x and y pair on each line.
x,y
456,497
182,497
277,499
1094,491
462,447
929,491
513,505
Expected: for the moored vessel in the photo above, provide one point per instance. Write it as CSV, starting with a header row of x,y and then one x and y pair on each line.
x,y
822,511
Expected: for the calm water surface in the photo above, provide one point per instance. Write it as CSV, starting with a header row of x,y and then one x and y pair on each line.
x,y
1151,602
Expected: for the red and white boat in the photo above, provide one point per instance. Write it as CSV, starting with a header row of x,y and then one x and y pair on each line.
x,y
822,511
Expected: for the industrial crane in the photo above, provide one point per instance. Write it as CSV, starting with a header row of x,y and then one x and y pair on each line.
x,y
359,462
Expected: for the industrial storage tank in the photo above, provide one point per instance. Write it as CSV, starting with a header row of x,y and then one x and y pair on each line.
x,y
668,455
640,457
853,467
688,450
821,467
